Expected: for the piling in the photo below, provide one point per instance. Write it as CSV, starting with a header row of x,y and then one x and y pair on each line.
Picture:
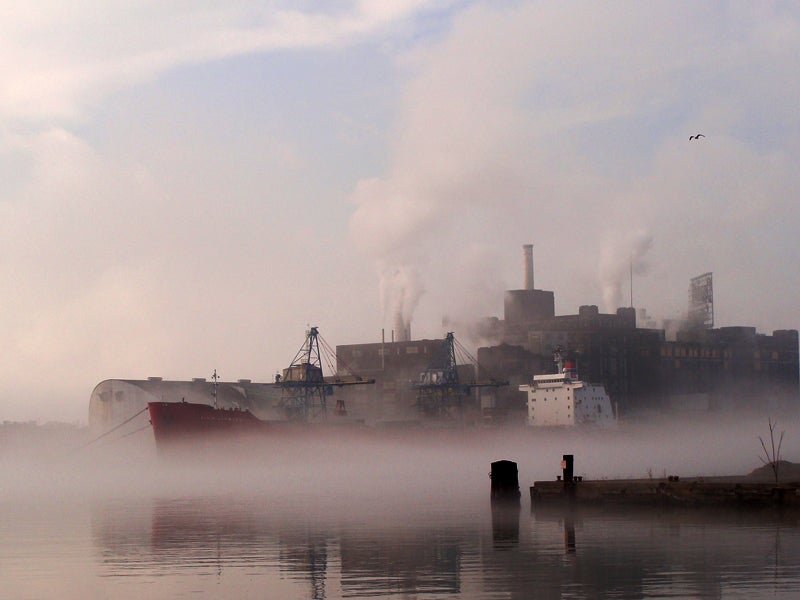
x,y
567,476
567,463
505,482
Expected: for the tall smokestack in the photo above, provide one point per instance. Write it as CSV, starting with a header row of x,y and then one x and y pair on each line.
x,y
527,257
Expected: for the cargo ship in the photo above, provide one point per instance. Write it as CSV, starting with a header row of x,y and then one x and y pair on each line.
x,y
302,401
297,401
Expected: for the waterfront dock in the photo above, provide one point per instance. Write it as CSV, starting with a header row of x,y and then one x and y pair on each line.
x,y
697,492
747,491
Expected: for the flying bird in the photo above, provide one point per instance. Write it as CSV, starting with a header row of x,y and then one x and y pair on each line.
x,y
696,137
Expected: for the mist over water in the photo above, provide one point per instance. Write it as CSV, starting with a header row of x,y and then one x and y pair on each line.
x,y
391,466
365,513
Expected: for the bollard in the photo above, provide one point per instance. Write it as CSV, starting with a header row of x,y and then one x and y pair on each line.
x,y
505,482
567,463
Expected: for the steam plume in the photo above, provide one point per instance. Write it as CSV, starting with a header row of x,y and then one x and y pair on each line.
x,y
619,258
401,290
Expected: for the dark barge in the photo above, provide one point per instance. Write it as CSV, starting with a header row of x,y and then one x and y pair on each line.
x,y
698,492
747,491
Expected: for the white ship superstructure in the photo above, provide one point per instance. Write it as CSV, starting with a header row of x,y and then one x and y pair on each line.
x,y
563,400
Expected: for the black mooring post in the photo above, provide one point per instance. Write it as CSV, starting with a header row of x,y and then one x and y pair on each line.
x,y
566,467
567,461
505,482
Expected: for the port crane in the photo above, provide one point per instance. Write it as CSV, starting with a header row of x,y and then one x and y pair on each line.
x,y
449,378
304,387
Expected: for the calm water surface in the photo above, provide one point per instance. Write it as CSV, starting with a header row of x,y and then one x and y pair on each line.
x,y
323,520
233,547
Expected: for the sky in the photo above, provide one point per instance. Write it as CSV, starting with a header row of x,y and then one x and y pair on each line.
x,y
189,186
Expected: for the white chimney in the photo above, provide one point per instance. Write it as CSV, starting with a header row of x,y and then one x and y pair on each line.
x,y
527,256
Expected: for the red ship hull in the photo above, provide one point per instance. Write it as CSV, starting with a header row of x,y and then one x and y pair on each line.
x,y
175,422
186,429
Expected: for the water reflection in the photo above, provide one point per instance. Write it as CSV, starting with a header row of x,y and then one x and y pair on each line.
x,y
626,552
492,552
505,524
206,535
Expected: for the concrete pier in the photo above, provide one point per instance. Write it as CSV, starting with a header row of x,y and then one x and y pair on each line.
x,y
671,491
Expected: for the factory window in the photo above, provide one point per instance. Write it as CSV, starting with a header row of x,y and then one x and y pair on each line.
x,y
412,350
774,356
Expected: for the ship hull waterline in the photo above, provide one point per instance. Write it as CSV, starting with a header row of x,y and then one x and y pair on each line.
x,y
195,426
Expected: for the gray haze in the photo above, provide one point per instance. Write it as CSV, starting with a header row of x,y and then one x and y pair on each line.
x,y
352,471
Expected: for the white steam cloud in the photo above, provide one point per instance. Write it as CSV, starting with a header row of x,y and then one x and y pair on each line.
x,y
401,289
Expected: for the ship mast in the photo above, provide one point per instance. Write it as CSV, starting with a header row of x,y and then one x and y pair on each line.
x,y
214,377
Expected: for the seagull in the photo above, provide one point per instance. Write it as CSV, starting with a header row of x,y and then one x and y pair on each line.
x,y
696,137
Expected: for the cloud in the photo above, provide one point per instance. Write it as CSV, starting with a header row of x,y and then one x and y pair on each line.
x,y
568,127
58,59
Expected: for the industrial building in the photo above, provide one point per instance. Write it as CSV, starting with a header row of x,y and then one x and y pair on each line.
x,y
644,369
401,370
688,365
693,366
